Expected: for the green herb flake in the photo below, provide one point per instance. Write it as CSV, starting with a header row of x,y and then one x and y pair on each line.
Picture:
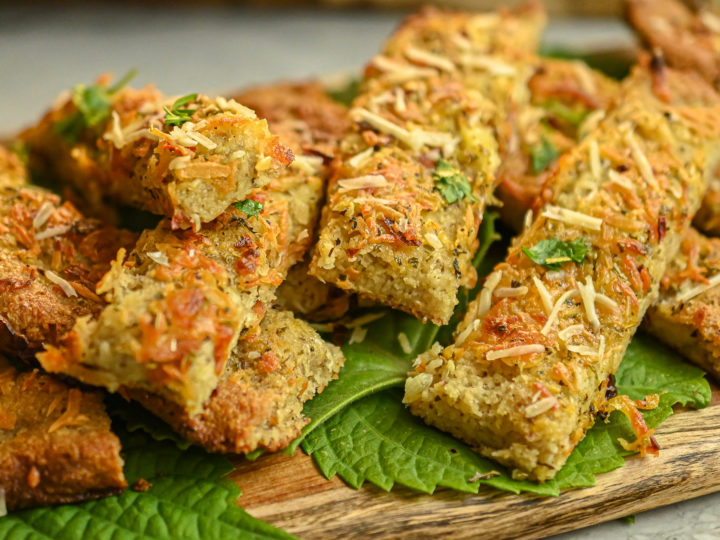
x,y
93,107
566,113
543,155
178,115
552,253
451,184
250,207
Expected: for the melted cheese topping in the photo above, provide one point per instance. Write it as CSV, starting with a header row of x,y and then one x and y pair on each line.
x,y
520,350
362,182
572,217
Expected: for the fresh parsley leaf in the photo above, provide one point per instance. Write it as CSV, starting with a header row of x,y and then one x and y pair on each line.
x,y
250,207
552,253
543,155
571,115
179,115
189,498
450,182
93,107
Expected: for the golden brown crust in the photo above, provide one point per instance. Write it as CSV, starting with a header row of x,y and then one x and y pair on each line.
x,y
43,241
258,404
690,40
55,442
12,171
687,314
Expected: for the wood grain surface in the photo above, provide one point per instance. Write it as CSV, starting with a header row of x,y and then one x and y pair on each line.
x,y
290,492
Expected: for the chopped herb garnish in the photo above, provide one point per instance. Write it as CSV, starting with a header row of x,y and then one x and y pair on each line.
x,y
543,155
552,253
93,107
451,184
571,115
178,115
250,207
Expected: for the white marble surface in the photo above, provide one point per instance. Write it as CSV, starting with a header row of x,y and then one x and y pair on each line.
x,y
45,50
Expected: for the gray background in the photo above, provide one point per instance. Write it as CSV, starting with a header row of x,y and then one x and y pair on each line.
x,y
44,50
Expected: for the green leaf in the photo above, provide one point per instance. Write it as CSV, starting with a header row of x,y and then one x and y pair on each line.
x,y
93,107
189,498
371,366
178,115
489,253
543,155
572,115
379,441
649,367
450,182
134,418
346,93
552,253
250,207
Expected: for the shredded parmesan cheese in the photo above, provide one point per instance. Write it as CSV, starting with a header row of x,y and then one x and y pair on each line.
x,y
469,329
359,159
52,231
358,335
587,293
487,291
621,180
400,72
504,292
115,135
202,139
641,160
404,343
433,240
43,214
159,257
254,355
64,285
710,20
695,291
179,162
594,159
556,310
489,64
429,59
307,164
540,407
520,350
364,319
362,182
570,331
572,218
545,297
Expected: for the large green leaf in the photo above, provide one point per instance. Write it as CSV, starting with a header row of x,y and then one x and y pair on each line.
x,y
189,498
379,441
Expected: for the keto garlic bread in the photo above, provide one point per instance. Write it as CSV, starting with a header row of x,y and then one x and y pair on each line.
x,y
258,403
408,192
533,357
56,446
187,158
686,316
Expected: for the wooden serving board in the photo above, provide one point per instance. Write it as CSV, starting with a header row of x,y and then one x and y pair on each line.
x,y
292,494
